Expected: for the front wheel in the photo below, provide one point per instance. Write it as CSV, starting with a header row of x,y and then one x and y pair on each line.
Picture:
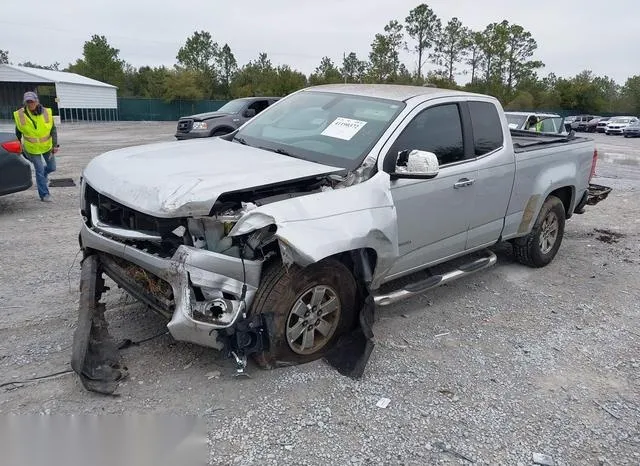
x,y
541,245
220,132
311,308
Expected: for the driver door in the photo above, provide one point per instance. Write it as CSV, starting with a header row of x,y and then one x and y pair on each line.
x,y
433,214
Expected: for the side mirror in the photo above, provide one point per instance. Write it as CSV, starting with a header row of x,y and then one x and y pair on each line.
x,y
415,164
250,112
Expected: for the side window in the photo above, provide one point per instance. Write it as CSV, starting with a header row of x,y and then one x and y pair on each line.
x,y
259,105
487,129
436,129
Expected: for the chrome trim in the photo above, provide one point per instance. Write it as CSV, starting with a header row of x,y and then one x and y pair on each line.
x,y
120,232
468,269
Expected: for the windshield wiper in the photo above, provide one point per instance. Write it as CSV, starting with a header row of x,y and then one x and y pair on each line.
x,y
281,151
240,140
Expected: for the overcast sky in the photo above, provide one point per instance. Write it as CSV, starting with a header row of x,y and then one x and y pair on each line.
x,y
571,36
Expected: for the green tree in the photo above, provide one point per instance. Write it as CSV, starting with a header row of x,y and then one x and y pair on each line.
x,y
384,57
325,73
182,84
100,61
610,91
228,66
256,78
287,80
423,26
631,95
353,69
523,101
474,53
200,55
404,76
4,57
451,47
520,47
146,81
494,50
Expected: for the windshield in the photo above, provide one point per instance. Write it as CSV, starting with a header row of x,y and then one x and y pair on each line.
x,y
516,121
327,128
232,107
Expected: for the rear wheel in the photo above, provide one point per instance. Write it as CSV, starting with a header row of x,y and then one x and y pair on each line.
x,y
311,308
541,245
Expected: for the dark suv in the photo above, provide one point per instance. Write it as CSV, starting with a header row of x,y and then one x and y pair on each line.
x,y
226,119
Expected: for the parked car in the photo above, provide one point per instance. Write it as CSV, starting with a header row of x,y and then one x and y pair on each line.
x,y
591,125
601,124
569,119
551,122
632,131
618,124
226,119
15,170
275,241
581,121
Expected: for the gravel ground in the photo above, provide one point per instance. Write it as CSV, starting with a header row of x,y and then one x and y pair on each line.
x,y
491,370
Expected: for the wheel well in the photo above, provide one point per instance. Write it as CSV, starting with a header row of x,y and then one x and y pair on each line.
x,y
361,262
217,129
566,196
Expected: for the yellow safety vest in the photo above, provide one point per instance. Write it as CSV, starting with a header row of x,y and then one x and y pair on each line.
x,y
35,129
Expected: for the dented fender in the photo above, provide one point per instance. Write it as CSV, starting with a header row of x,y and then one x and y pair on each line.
x,y
316,226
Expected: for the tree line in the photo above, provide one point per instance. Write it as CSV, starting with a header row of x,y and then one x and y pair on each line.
x,y
497,60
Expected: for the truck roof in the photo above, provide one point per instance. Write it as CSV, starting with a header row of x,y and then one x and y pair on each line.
x,y
389,91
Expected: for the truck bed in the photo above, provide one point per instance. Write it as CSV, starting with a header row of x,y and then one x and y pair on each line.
x,y
525,141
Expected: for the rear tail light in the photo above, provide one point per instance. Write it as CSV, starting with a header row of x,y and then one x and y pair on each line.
x,y
12,146
593,163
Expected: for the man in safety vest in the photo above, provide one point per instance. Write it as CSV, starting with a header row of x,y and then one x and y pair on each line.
x,y
534,124
34,125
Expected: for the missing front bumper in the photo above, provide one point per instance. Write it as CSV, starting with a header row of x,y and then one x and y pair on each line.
x,y
199,291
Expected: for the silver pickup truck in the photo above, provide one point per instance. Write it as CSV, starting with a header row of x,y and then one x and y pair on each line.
x,y
279,239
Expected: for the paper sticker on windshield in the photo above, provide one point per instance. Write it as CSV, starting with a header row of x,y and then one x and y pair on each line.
x,y
343,128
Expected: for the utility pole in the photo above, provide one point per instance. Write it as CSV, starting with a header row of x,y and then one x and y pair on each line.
x,y
344,71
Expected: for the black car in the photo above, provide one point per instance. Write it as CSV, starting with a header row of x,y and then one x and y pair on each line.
x,y
226,119
15,170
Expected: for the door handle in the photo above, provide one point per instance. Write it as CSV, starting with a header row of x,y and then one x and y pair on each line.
x,y
463,182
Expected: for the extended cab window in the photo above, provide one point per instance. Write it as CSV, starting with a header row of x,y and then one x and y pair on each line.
x,y
487,128
259,105
436,129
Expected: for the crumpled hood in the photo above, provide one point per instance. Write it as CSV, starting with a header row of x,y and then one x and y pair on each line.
x,y
184,178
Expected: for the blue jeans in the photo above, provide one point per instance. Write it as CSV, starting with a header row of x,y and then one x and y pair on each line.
x,y
44,164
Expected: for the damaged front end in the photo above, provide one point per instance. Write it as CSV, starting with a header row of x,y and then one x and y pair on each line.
x,y
187,270
202,273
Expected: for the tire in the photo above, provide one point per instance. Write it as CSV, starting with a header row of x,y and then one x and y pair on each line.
x,y
280,293
534,250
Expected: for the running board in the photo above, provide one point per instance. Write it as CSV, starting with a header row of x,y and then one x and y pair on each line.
x,y
436,280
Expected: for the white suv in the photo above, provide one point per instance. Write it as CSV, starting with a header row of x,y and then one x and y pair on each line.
x,y
618,124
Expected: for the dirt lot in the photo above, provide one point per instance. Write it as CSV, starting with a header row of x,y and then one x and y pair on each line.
x,y
490,370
